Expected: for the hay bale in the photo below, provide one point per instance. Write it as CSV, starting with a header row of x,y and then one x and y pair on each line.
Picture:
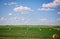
x,y
55,36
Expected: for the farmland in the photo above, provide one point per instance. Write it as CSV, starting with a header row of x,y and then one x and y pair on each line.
x,y
28,32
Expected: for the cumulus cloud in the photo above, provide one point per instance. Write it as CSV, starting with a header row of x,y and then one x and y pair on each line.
x,y
10,3
43,19
10,14
15,19
2,19
18,20
45,9
22,9
50,6
58,19
54,4
58,12
23,19
26,21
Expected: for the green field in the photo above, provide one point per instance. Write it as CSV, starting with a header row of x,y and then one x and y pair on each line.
x,y
28,32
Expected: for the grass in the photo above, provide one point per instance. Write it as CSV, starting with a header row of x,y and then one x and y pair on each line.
x,y
28,32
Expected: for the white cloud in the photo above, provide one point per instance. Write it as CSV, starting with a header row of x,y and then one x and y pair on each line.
x,y
58,19
2,19
54,4
10,14
15,19
18,19
46,9
25,21
50,6
22,9
43,19
58,12
10,3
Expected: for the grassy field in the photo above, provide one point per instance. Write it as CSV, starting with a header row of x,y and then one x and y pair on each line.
x,y
28,32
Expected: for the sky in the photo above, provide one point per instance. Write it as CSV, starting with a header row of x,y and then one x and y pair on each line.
x,y
29,12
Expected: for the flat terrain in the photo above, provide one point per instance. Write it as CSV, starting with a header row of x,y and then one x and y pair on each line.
x,y
28,32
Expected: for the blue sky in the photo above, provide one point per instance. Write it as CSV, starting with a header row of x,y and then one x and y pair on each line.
x,y
29,12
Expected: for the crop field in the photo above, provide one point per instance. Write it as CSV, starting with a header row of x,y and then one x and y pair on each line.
x,y
28,32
